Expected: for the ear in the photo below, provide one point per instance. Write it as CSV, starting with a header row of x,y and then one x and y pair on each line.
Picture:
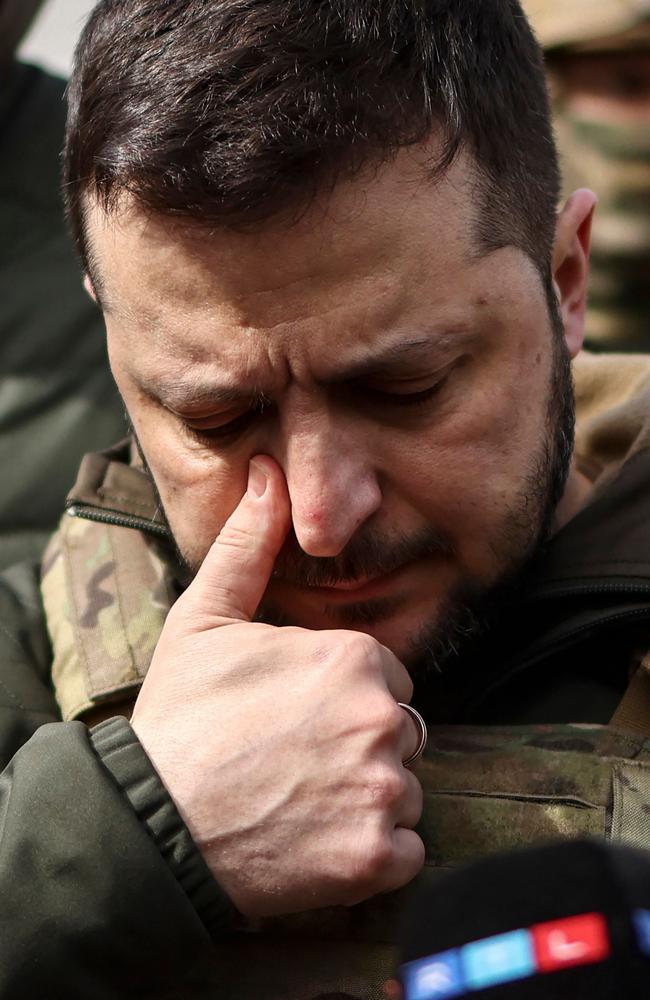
x,y
571,264
88,285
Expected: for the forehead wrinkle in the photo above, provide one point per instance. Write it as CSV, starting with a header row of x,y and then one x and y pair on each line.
x,y
180,391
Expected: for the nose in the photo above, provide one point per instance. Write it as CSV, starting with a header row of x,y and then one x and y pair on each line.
x,y
332,485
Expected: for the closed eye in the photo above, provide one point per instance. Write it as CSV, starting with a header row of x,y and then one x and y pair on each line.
x,y
216,428
404,398
408,392
405,393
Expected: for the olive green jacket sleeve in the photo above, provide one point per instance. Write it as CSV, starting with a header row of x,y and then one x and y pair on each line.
x,y
103,893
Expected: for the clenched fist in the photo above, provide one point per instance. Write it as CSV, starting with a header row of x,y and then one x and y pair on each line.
x,y
281,747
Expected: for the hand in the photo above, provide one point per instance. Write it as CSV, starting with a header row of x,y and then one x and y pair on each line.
x,y
281,747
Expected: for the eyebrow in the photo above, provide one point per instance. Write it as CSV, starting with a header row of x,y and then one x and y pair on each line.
x,y
389,357
177,393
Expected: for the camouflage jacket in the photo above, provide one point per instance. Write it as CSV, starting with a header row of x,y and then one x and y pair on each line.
x,y
113,898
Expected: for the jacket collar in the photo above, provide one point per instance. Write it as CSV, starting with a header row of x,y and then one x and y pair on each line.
x,y
115,484
608,540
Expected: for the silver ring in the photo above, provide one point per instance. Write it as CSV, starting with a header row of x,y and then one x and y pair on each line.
x,y
417,718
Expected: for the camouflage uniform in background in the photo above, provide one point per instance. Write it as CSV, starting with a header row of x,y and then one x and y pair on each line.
x,y
611,155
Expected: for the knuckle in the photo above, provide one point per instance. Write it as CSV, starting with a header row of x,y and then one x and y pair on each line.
x,y
413,802
223,595
375,857
394,720
362,648
331,648
235,538
389,789
351,653
236,541
322,654
418,853
387,720
365,643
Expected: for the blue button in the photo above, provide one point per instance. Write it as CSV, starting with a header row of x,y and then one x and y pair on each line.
x,y
433,978
642,926
500,959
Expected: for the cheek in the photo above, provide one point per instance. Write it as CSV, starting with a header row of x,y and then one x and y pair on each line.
x,y
464,471
197,511
198,489
198,498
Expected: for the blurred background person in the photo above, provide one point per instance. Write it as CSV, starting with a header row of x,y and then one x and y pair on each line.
x,y
598,54
57,398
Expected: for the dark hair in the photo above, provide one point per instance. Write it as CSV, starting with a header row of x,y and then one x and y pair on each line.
x,y
230,111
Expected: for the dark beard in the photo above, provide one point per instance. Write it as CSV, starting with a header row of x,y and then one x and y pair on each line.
x,y
472,606
472,610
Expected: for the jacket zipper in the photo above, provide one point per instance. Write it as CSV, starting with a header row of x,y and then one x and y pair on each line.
x,y
120,520
587,589
151,527
160,530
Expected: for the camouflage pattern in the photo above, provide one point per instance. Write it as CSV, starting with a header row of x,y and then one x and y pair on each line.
x,y
106,593
611,158
485,790
107,589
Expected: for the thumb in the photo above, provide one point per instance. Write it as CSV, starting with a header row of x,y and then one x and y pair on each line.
x,y
235,573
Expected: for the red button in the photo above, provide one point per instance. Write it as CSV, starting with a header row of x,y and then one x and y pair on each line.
x,y
574,941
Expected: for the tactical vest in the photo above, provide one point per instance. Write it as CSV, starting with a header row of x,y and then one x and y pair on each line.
x,y
107,589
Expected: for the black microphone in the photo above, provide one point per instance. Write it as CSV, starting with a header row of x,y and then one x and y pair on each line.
x,y
565,920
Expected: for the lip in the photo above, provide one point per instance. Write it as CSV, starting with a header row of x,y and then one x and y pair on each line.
x,y
357,590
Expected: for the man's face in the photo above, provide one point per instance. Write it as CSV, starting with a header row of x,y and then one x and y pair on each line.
x,y
407,387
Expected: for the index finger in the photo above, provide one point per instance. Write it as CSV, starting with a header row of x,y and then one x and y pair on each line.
x,y
235,573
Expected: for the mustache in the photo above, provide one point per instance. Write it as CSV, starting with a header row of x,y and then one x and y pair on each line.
x,y
367,555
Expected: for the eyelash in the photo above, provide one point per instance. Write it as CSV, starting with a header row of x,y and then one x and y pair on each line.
x,y
225,431
235,427
406,398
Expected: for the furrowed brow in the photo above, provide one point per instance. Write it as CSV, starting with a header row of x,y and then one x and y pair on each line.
x,y
179,395
401,353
